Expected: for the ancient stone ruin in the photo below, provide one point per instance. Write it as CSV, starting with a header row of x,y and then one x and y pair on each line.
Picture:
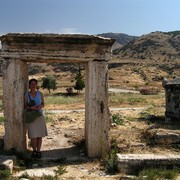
x,y
172,90
95,52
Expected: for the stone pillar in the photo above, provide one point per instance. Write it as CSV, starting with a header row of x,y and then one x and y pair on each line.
x,y
97,119
15,81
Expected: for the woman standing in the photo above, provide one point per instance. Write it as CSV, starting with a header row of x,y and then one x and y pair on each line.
x,y
36,129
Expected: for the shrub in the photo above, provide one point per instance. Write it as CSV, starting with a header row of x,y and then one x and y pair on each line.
x,y
5,174
80,84
49,83
158,173
61,170
117,119
69,90
148,91
1,119
111,162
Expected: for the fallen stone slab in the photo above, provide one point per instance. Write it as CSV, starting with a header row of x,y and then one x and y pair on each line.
x,y
161,137
7,162
37,172
167,138
133,163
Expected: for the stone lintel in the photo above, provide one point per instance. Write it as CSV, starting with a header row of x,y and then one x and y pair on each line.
x,y
45,57
35,38
132,163
55,47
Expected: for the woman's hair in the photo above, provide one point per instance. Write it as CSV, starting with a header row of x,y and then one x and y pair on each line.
x,y
33,80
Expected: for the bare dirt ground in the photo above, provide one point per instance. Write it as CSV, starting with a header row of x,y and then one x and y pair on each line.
x,y
66,134
66,140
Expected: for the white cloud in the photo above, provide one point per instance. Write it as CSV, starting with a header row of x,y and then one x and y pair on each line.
x,y
70,31
64,31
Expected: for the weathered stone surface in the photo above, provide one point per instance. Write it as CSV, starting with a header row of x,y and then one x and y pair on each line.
x,y
6,162
97,114
15,80
37,172
172,89
161,137
56,47
166,138
132,163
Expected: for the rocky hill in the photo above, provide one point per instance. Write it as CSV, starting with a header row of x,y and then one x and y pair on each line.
x,y
163,46
121,39
153,46
146,60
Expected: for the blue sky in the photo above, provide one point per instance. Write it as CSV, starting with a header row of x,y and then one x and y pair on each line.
x,y
133,17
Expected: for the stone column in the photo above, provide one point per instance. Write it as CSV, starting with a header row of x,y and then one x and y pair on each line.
x,y
15,81
97,119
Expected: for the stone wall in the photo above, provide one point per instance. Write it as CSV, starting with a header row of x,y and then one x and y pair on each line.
x,y
172,89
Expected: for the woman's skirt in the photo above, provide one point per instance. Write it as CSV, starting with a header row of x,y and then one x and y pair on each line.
x,y
37,128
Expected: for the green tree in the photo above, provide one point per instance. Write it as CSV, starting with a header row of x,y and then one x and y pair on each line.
x,y
49,83
80,84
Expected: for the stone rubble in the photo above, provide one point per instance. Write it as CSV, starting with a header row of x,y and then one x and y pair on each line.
x,y
7,162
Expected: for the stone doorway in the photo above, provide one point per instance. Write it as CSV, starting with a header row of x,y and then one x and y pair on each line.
x,y
95,52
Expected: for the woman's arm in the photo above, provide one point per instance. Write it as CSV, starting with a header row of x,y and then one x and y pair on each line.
x,y
26,106
40,106
42,99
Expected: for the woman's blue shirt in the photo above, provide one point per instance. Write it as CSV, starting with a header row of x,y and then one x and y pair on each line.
x,y
37,99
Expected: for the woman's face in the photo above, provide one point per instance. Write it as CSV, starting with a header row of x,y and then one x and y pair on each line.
x,y
32,85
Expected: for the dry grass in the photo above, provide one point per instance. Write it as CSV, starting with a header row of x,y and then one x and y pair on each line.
x,y
127,75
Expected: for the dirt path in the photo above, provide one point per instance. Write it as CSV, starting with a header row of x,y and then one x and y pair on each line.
x,y
82,110
117,90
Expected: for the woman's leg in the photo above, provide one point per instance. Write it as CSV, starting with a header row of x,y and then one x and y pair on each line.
x,y
39,143
34,144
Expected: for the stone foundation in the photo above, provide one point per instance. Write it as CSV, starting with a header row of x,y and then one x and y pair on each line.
x,y
133,163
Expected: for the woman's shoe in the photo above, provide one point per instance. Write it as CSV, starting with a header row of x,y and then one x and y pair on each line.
x,y
38,155
34,154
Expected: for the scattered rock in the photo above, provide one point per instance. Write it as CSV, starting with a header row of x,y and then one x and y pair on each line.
x,y
38,172
6,162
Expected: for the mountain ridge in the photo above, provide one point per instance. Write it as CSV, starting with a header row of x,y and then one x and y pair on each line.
x,y
146,60
121,38
164,45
